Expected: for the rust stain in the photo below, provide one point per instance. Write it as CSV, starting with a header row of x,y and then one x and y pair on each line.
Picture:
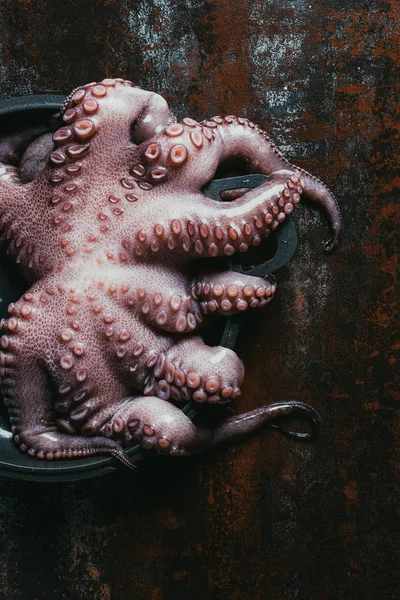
x,y
299,302
210,498
350,491
94,573
105,593
227,64
168,519
180,575
156,594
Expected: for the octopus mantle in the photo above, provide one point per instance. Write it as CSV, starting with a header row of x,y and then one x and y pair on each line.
x,y
104,220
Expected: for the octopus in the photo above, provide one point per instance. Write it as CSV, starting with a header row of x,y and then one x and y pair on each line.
x,y
105,218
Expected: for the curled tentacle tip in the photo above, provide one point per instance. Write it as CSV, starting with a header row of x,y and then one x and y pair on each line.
x,y
301,409
331,245
122,458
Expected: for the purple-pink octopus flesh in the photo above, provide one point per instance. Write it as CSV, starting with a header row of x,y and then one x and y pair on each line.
x,y
104,219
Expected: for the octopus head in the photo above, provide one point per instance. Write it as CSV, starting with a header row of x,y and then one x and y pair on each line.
x,y
145,113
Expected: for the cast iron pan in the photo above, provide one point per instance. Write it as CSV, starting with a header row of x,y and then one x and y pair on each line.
x,y
20,113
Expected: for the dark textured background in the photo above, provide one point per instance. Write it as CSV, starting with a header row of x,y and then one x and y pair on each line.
x,y
267,519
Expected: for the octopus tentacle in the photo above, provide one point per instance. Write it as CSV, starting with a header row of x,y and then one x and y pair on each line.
x,y
154,424
217,229
266,158
20,220
316,191
173,312
243,424
51,444
229,293
13,145
29,403
192,370
157,425
13,204
35,158
189,152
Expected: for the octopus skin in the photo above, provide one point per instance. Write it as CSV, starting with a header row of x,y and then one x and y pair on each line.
x,y
104,219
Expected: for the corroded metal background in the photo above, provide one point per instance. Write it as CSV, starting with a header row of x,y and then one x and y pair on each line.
x,y
267,519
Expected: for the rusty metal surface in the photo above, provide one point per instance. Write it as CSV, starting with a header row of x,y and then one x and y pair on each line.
x,y
266,519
